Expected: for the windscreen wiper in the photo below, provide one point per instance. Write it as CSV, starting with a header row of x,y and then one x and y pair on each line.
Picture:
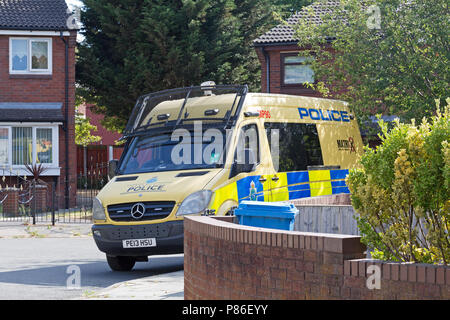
x,y
182,109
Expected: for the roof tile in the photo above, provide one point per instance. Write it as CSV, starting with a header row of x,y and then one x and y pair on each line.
x,y
285,33
31,112
43,15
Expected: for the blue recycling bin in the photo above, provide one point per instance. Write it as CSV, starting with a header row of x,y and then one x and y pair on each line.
x,y
274,215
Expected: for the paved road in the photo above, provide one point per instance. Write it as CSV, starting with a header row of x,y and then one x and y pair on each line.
x,y
36,268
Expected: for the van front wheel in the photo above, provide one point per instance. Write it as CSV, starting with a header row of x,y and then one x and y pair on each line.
x,y
121,263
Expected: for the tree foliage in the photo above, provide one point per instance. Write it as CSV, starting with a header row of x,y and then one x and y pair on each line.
x,y
288,7
133,47
389,57
402,192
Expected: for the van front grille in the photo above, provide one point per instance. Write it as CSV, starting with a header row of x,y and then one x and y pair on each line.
x,y
154,210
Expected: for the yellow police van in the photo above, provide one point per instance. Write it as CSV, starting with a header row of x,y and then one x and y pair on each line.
x,y
202,150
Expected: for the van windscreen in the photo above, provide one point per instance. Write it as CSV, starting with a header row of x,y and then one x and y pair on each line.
x,y
180,150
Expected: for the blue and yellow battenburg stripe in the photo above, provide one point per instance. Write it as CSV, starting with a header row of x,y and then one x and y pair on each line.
x,y
290,185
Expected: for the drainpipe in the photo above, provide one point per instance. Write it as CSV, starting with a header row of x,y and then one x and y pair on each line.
x,y
66,111
267,57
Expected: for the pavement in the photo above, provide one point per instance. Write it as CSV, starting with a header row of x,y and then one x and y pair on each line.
x,y
166,286
20,230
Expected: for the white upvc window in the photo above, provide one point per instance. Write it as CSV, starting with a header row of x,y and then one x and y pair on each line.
x,y
5,150
30,55
296,70
22,144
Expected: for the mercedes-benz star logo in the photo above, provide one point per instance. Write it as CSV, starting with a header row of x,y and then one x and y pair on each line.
x,y
138,211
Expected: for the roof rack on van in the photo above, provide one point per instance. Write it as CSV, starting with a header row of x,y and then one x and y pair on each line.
x,y
141,123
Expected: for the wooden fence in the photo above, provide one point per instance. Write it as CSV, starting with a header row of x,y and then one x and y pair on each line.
x,y
339,219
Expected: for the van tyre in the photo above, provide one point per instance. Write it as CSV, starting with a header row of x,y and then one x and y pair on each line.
x,y
121,263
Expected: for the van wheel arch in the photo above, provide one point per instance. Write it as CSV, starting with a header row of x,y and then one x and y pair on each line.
x,y
225,208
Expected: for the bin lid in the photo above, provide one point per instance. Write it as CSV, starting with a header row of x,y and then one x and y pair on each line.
x,y
259,208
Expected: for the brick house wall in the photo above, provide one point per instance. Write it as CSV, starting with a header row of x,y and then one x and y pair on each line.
x,y
282,40
47,88
275,65
274,54
97,153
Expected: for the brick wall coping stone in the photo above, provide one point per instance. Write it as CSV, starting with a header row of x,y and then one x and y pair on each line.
x,y
220,229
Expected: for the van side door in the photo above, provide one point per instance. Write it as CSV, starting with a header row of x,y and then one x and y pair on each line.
x,y
251,184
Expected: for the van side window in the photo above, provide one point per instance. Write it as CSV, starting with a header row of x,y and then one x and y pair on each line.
x,y
298,143
248,139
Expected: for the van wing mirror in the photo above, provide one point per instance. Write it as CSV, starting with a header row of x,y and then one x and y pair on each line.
x,y
112,168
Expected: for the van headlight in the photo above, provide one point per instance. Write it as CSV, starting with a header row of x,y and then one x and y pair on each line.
x,y
98,211
196,202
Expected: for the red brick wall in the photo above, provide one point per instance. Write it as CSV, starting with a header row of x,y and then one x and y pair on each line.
x,y
44,88
398,281
228,261
275,72
109,138
10,204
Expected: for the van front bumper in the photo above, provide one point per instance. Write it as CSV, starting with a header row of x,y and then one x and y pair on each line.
x,y
168,235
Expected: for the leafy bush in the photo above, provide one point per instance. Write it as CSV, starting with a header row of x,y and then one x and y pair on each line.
x,y
401,191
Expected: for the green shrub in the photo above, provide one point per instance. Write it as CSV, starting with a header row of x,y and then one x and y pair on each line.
x,y
401,192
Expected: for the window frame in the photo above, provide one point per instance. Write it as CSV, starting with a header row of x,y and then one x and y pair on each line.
x,y
283,56
9,145
268,124
35,155
29,70
233,172
21,167
240,130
